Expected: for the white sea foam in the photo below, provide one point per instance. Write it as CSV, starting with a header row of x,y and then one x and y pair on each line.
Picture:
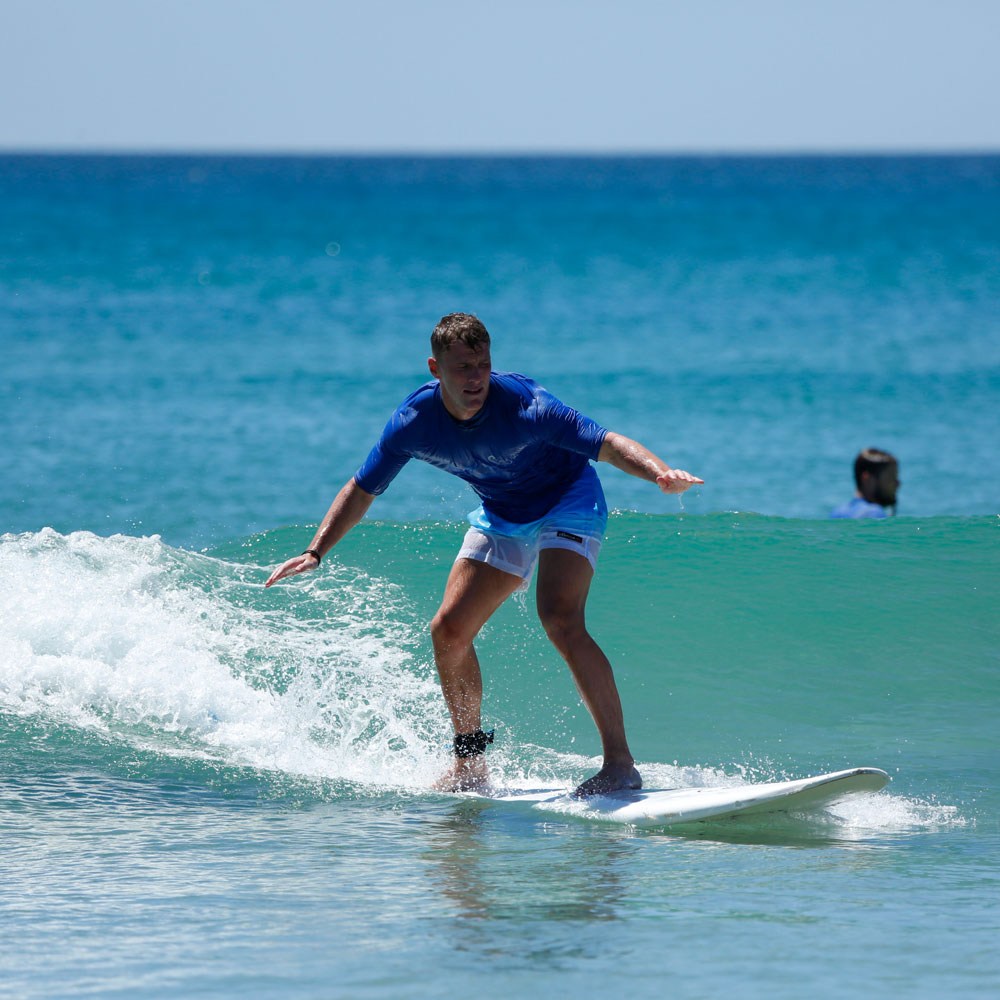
x,y
130,636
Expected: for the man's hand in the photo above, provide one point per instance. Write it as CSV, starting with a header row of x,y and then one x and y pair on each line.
x,y
677,481
298,564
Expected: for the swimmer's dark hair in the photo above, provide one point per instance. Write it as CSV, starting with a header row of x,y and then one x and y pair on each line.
x,y
872,460
462,327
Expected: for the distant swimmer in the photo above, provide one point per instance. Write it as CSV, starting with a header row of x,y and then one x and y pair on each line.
x,y
876,474
527,456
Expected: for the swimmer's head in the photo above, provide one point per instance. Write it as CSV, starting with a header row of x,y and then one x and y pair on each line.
x,y
876,474
460,328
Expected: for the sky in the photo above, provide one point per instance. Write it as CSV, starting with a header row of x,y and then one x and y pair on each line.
x,y
512,76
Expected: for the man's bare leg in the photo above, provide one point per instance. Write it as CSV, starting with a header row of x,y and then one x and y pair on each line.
x,y
563,584
473,593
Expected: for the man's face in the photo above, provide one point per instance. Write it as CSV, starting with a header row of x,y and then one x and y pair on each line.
x,y
464,375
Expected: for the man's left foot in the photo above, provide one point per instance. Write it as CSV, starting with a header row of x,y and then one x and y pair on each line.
x,y
610,779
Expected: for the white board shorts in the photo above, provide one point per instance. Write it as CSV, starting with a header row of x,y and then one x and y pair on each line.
x,y
576,523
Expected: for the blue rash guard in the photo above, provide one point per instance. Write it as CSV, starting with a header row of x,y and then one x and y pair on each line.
x,y
520,453
858,507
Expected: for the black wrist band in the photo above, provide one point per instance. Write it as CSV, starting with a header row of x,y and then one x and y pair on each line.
x,y
472,744
313,552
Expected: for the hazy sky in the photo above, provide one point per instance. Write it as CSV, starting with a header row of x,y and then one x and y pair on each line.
x,y
456,75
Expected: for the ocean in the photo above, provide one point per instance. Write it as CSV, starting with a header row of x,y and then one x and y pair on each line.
x,y
209,789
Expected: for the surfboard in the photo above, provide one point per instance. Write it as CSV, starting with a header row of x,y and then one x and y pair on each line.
x,y
673,806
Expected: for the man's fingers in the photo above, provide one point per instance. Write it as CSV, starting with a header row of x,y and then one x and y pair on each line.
x,y
681,474
677,481
289,568
297,565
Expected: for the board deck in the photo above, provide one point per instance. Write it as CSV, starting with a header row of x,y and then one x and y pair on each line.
x,y
671,806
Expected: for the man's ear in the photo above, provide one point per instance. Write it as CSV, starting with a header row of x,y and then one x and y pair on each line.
x,y
433,366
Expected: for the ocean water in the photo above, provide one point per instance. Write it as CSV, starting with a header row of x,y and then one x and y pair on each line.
x,y
212,789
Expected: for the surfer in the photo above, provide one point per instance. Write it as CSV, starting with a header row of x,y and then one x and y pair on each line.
x,y
876,475
527,456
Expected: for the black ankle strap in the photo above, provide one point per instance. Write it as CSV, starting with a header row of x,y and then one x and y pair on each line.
x,y
472,744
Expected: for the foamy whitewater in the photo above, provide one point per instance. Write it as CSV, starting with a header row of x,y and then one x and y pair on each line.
x,y
213,789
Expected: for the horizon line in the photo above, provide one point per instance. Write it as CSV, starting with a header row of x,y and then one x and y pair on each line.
x,y
499,153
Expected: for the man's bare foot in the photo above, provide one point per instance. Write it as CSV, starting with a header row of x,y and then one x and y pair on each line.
x,y
610,778
467,774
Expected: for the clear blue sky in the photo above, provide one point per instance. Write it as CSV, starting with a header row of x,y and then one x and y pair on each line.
x,y
515,75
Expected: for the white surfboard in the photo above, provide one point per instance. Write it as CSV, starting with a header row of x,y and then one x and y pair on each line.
x,y
671,806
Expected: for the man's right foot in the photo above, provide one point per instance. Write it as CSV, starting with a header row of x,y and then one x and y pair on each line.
x,y
467,774
610,779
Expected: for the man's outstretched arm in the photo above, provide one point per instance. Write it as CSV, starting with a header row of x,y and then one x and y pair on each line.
x,y
633,458
346,510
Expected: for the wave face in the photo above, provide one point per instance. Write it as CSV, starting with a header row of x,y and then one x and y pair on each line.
x,y
743,645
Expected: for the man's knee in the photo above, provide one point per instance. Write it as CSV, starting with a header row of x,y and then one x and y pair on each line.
x,y
563,625
449,630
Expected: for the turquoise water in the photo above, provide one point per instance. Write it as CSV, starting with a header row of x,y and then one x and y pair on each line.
x,y
209,789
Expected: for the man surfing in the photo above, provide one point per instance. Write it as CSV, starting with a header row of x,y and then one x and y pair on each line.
x,y
527,456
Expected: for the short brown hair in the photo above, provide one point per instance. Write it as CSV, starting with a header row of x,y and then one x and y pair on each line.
x,y
872,460
463,327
